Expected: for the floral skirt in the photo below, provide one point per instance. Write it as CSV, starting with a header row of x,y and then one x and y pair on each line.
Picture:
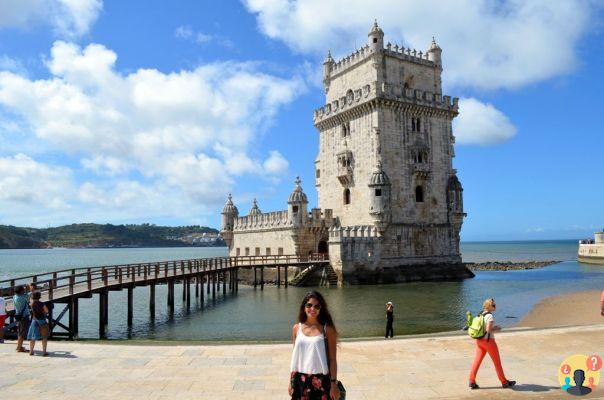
x,y
310,386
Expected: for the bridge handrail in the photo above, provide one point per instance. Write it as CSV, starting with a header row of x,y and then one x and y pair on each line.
x,y
95,274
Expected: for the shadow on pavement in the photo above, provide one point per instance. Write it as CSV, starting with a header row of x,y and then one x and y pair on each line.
x,y
525,387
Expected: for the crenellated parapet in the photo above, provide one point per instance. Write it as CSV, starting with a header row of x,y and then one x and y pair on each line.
x,y
268,220
370,92
408,54
351,233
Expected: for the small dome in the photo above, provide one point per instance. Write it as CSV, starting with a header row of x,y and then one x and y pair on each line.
x,y
434,46
229,207
255,210
379,177
376,29
298,195
454,184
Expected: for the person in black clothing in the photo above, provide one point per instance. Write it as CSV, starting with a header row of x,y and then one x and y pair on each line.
x,y
389,319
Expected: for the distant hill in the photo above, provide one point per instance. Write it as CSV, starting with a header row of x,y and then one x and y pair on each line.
x,y
96,235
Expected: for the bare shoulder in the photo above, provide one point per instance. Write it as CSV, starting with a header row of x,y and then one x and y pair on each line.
x,y
295,329
331,332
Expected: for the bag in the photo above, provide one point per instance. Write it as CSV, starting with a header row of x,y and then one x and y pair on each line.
x,y
338,383
477,328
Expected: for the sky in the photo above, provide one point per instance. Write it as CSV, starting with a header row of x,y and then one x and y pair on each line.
x,y
153,111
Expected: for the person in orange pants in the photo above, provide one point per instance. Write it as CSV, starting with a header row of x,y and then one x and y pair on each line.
x,y
486,345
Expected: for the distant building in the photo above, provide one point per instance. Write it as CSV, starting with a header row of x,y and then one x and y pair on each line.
x,y
390,203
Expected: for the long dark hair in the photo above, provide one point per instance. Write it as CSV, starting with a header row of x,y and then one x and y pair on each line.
x,y
324,315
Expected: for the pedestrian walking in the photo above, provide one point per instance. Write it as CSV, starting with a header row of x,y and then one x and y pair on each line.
x,y
2,318
389,319
38,329
21,305
486,345
314,366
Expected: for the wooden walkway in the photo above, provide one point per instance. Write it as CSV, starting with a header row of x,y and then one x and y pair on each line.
x,y
68,286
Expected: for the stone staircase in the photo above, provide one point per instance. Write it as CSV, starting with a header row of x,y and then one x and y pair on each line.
x,y
316,275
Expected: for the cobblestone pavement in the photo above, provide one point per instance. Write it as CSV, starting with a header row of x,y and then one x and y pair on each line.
x,y
407,368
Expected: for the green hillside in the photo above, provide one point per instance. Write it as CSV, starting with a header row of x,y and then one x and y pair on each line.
x,y
96,235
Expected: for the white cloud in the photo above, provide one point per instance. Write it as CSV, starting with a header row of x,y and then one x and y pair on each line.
x,y
24,181
486,44
187,33
169,130
482,124
275,163
69,18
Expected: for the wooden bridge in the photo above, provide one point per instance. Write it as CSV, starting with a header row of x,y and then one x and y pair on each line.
x,y
68,286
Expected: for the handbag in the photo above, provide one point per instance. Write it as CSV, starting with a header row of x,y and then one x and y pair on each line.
x,y
338,383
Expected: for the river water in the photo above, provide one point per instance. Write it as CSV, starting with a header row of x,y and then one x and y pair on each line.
x,y
359,311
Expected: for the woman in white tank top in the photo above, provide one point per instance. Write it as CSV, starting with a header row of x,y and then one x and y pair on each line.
x,y
313,373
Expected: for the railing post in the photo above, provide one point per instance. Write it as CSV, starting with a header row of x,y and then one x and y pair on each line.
x,y
89,279
145,267
166,270
54,279
120,276
50,290
71,281
105,276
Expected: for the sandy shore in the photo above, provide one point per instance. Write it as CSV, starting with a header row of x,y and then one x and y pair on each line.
x,y
581,308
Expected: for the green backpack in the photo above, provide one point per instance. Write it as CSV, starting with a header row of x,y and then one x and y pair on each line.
x,y
477,329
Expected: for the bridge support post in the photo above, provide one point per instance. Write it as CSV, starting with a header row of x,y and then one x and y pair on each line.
x,y
197,286
152,301
224,283
236,280
286,268
207,279
130,305
187,283
171,297
255,279
73,318
213,285
103,313
201,278
184,288
278,276
262,278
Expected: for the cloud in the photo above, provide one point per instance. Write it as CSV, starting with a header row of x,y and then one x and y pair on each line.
x,y
486,45
68,18
187,33
164,131
23,181
482,124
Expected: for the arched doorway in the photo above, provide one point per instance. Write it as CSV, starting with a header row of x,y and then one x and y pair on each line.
x,y
323,248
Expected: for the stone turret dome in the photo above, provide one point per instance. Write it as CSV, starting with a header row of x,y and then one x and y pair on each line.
x,y
379,177
255,210
434,46
328,59
376,29
229,207
298,195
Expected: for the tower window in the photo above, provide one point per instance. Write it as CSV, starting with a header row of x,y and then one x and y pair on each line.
x,y
318,173
374,40
346,129
378,192
346,196
415,125
419,194
295,209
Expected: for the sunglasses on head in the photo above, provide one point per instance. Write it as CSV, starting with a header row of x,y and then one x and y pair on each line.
x,y
315,306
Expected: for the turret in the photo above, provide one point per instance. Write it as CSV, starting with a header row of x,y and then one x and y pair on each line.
x,y
435,53
297,205
455,200
376,37
255,210
327,67
379,186
229,213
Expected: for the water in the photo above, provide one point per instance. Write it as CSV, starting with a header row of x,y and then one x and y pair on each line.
x,y
254,315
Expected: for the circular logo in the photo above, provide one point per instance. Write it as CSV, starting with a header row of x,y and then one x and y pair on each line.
x,y
579,374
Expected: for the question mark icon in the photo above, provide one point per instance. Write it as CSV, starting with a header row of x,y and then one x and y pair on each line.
x,y
594,362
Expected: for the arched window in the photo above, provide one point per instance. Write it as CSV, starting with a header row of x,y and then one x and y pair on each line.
x,y
419,194
418,125
346,196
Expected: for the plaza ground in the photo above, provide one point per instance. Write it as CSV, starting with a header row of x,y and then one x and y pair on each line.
x,y
428,367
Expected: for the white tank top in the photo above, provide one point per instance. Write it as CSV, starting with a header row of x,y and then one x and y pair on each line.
x,y
309,354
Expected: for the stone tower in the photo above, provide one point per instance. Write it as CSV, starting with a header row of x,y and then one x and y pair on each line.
x,y
385,164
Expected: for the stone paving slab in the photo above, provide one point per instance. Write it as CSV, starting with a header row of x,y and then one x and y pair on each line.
x,y
403,368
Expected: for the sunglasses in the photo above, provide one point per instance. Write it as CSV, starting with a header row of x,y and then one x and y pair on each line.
x,y
311,305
